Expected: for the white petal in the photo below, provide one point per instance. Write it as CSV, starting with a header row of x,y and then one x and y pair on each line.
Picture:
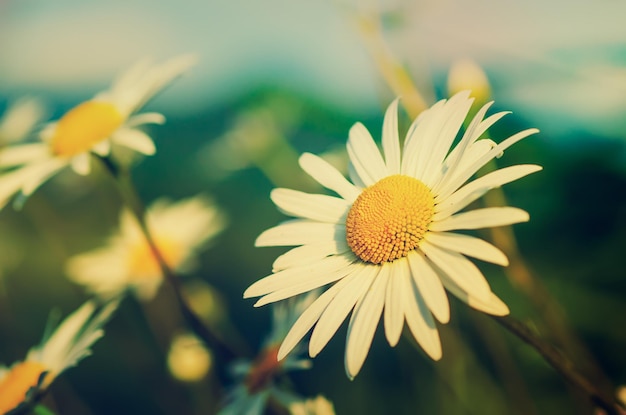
x,y
466,171
300,232
81,164
481,218
310,206
309,253
393,314
459,269
308,318
363,324
391,139
103,148
491,305
475,189
298,275
355,178
420,137
421,323
468,245
44,171
23,153
328,176
337,311
429,286
135,139
456,108
145,118
12,182
365,156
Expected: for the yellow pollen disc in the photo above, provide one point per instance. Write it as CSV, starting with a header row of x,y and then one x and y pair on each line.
x,y
84,126
389,219
143,264
17,382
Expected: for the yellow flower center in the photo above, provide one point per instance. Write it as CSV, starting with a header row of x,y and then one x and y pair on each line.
x,y
389,219
15,384
144,265
84,126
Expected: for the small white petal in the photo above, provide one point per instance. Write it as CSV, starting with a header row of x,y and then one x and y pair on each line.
x,y
475,189
490,305
41,173
393,314
81,164
300,232
458,268
421,323
365,156
309,253
23,153
135,139
145,118
468,245
298,275
429,286
310,206
103,148
308,318
363,325
328,176
481,218
391,139
357,285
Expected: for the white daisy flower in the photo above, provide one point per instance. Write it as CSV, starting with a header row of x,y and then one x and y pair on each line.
x,y
64,348
386,245
92,126
257,379
180,229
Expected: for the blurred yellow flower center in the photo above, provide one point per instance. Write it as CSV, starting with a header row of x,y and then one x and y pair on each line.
x,y
15,384
389,219
84,126
142,262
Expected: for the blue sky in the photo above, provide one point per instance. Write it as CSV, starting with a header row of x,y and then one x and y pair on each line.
x,y
555,61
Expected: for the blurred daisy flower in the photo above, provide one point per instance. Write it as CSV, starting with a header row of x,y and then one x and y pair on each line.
x,y
317,406
92,126
188,359
180,229
20,119
257,379
386,242
64,348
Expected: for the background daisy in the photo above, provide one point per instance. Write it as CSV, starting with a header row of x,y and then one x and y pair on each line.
x,y
386,243
180,229
92,126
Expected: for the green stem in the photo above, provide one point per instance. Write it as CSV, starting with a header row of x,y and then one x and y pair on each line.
x,y
561,364
130,198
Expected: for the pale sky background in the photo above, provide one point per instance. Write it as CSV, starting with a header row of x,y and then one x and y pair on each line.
x,y
560,63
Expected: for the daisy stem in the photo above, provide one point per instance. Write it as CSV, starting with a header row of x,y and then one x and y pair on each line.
x,y
131,199
561,364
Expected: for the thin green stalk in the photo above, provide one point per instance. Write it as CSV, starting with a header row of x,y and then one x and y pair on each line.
x,y
561,364
129,195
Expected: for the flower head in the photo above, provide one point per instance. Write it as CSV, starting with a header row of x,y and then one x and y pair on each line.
x,y
64,348
179,230
92,126
386,246
257,379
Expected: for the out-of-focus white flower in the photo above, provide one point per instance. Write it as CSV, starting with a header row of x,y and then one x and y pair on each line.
x,y
92,126
465,74
315,406
64,348
387,241
188,359
180,229
257,379
20,119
